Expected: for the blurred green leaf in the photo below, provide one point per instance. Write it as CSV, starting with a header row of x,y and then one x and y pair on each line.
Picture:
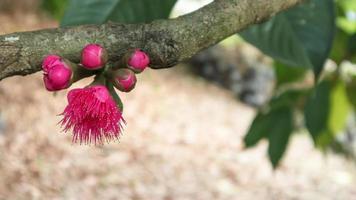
x,y
55,7
289,98
88,12
347,4
264,121
351,48
128,11
134,11
325,139
339,49
276,124
351,92
279,134
301,36
258,129
326,111
317,110
287,74
344,47
346,25
347,13
339,107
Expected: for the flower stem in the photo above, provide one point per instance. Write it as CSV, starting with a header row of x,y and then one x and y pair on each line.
x,y
80,73
116,97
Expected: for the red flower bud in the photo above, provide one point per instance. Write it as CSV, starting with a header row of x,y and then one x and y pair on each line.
x,y
94,57
138,61
57,73
124,80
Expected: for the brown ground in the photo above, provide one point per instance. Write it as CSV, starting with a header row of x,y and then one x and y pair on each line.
x,y
183,141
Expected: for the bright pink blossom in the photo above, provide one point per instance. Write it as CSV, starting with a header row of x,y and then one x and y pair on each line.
x,y
92,115
138,61
56,73
94,57
124,80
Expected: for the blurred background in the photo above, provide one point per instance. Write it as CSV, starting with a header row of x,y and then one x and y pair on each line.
x,y
184,137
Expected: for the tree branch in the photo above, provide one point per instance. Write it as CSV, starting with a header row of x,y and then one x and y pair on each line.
x,y
166,41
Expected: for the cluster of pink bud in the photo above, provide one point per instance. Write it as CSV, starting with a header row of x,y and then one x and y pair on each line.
x,y
57,73
94,113
138,61
94,57
134,62
124,80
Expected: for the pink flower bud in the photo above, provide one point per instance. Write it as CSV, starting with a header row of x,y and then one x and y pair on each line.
x,y
94,57
124,80
49,60
138,61
56,73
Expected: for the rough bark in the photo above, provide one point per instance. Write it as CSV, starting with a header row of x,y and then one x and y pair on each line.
x,y
167,41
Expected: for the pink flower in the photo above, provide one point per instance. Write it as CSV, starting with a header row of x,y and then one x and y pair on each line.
x,y
94,57
92,115
124,80
138,61
57,73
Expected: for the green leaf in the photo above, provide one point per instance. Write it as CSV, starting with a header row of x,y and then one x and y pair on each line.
x,y
351,48
339,47
282,128
326,111
276,125
317,110
338,115
55,7
264,121
289,98
88,12
345,20
287,74
339,108
347,5
346,25
258,129
134,11
301,36
128,11
351,92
